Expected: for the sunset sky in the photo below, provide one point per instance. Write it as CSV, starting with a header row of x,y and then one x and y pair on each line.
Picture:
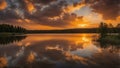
x,y
59,14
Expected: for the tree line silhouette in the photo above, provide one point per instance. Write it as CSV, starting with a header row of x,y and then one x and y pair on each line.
x,y
11,28
109,34
104,29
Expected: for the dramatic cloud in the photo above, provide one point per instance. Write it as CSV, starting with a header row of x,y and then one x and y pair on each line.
x,y
74,6
53,10
62,21
56,13
50,15
109,9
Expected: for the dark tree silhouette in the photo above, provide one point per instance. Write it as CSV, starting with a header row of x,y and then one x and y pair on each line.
x,y
118,29
11,28
103,29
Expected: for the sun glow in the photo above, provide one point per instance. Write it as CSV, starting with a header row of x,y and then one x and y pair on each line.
x,y
82,25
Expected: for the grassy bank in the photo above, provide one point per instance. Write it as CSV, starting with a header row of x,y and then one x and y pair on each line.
x,y
110,39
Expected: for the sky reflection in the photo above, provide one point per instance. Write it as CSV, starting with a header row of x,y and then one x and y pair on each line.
x,y
56,51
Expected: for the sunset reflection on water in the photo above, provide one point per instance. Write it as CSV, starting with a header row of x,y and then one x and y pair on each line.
x,y
58,51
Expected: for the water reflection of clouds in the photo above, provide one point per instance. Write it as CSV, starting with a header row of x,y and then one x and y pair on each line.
x,y
57,52
87,51
57,56
3,62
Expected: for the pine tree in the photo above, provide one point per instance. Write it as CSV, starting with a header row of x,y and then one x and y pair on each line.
x,y
11,28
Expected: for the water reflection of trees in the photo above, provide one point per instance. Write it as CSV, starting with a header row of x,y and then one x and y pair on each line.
x,y
106,45
114,46
111,46
10,39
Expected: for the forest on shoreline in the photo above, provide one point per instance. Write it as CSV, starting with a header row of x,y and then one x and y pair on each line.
x,y
6,28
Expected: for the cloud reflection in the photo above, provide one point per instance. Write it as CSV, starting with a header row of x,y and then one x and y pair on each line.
x,y
58,51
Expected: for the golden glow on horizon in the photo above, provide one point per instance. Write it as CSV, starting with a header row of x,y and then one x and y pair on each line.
x,y
27,20
24,21
82,25
114,22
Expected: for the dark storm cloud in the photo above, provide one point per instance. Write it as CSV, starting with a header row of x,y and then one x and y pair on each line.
x,y
14,10
23,7
110,9
63,21
8,15
43,1
54,15
54,9
51,15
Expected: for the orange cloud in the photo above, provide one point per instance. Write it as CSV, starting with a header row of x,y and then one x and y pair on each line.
x,y
3,5
90,21
72,8
30,6
114,22
31,57
24,21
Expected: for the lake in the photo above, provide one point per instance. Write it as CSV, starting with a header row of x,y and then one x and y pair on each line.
x,y
58,51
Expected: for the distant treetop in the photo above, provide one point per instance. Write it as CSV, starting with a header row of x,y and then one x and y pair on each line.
x,y
11,28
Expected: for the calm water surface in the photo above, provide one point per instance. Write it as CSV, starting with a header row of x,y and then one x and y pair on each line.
x,y
58,51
